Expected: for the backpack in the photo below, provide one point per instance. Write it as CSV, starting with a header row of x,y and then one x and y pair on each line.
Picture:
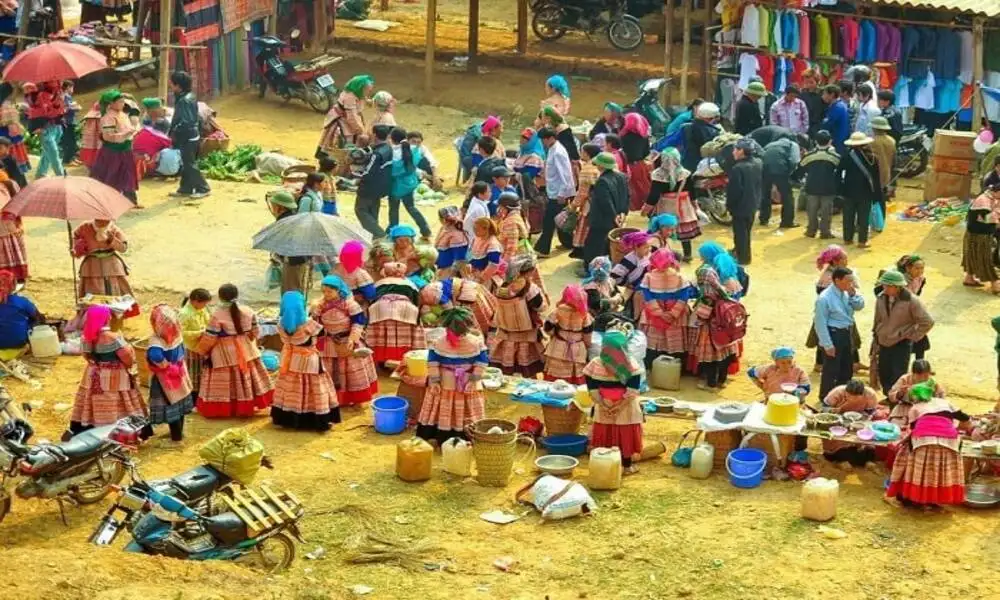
x,y
728,323
674,140
467,145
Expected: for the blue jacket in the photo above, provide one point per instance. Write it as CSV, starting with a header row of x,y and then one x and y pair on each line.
x,y
911,41
838,123
867,42
948,58
405,182
17,315
789,32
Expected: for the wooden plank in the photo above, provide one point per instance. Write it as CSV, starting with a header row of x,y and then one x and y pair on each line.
x,y
668,48
429,42
236,508
473,64
166,22
522,26
224,65
977,72
277,501
249,504
686,51
263,503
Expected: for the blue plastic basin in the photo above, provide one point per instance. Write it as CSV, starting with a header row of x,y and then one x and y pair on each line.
x,y
390,414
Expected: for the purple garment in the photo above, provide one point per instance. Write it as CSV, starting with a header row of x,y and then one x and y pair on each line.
x,y
894,50
883,38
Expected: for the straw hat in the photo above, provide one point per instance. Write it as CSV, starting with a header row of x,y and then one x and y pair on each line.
x,y
858,139
881,124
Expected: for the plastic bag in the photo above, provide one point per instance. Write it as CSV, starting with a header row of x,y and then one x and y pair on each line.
x,y
559,499
877,220
234,453
272,277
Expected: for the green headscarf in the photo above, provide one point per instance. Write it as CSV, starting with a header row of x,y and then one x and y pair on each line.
x,y
110,96
553,116
613,107
357,84
152,103
923,392
457,320
615,357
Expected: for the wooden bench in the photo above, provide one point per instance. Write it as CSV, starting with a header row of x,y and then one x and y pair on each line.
x,y
137,70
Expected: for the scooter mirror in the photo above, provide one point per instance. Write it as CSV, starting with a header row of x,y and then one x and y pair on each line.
x,y
295,33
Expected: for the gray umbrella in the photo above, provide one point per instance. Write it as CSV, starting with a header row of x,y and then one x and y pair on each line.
x,y
309,234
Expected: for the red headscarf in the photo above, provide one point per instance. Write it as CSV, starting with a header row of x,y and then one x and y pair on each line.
x,y
573,295
635,123
7,285
490,124
663,259
166,324
95,320
352,256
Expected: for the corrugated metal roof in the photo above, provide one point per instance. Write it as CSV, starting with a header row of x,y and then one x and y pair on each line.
x,y
989,8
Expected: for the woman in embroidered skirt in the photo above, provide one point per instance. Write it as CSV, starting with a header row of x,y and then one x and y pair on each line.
x,y
485,254
530,168
351,269
107,391
513,230
603,295
90,139
928,469
666,197
977,245
194,318
304,397
234,383
452,244
11,128
346,358
102,271
455,366
712,361
634,135
394,328
569,328
630,270
517,346
404,251
581,204
899,394
613,379
344,123
170,393
13,252
445,294
665,313
115,163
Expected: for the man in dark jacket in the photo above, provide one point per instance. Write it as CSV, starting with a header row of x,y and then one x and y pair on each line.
x,y
886,102
821,168
376,180
608,206
770,133
781,158
185,131
748,115
743,196
698,132
813,97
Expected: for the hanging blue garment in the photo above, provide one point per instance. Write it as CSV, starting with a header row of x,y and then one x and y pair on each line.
x,y
789,31
948,57
867,43
911,68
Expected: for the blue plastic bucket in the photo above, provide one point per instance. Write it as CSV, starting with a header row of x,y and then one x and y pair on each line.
x,y
746,467
390,414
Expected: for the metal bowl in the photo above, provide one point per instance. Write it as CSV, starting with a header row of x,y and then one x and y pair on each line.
x,y
851,417
559,465
979,495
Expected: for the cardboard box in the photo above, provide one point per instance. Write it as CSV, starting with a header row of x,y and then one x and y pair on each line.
x,y
946,185
954,144
956,166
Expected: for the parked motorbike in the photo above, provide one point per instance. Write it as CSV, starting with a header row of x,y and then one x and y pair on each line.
x,y
648,105
307,81
552,19
913,151
80,471
712,198
176,518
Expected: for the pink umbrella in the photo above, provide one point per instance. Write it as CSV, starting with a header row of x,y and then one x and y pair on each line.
x,y
54,61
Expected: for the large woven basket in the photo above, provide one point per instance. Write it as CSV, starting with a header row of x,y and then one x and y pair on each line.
x,y
494,452
140,347
723,442
618,252
561,421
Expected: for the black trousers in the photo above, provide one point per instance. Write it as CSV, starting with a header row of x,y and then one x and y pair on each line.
x,y
857,214
192,181
68,147
784,185
716,372
893,362
544,243
741,238
838,369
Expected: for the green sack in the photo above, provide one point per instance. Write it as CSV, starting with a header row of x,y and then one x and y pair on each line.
x,y
234,453
566,220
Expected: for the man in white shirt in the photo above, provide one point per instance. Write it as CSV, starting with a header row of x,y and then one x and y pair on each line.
x,y
559,186
479,207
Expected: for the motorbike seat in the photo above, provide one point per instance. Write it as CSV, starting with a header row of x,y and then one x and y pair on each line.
x,y
199,482
911,128
227,527
84,444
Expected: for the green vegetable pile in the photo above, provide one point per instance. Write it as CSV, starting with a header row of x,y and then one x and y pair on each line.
x,y
233,165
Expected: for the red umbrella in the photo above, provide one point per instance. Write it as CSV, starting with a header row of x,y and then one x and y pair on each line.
x,y
54,61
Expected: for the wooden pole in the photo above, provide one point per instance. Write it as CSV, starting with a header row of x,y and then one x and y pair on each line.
x,y
22,27
166,24
473,64
706,52
668,48
429,46
522,26
314,43
272,20
686,51
977,72
224,65
323,25
333,27
140,20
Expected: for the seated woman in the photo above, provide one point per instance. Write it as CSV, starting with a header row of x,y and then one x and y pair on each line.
x,y
928,469
665,313
516,347
773,378
444,294
569,327
404,251
13,251
630,270
855,396
603,295
17,314
452,244
351,269
613,380
347,361
484,254
455,366
394,326
899,393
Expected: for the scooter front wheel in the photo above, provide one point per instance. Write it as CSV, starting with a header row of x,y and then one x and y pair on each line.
x,y
318,99
275,554
625,33
547,23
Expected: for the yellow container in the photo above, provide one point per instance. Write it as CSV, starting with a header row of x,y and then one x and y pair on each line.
x,y
819,499
605,469
666,373
416,363
582,398
413,460
782,410
456,457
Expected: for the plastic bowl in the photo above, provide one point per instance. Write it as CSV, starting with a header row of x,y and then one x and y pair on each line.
x,y
866,434
557,464
569,444
838,430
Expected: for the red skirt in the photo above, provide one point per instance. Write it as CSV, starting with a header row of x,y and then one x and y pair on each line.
x,y
927,475
627,438
639,184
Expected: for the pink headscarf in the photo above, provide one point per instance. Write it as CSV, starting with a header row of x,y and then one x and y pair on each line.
x,y
633,240
663,259
832,253
573,295
95,320
352,256
490,124
635,123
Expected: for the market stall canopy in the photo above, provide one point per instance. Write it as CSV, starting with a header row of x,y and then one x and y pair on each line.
x,y
54,61
70,199
988,8
309,234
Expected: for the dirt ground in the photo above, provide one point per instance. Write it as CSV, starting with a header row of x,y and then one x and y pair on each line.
x,y
662,535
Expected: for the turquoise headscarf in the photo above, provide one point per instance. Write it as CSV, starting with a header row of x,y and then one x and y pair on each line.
x,y
663,220
332,281
533,146
600,270
559,84
293,311
614,107
357,84
716,256
782,352
402,230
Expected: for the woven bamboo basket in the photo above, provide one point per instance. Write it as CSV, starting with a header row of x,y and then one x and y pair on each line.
x,y
617,252
296,174
140,347
723,442
561,421
494,452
